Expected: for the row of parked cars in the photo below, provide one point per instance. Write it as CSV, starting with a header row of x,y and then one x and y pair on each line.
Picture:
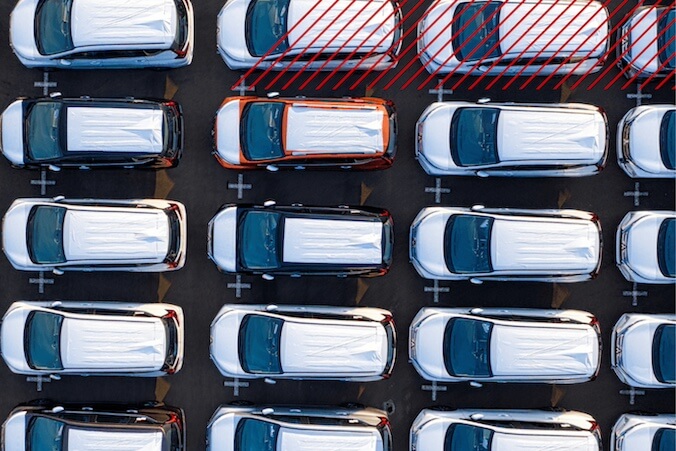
x,y
452,138
485,38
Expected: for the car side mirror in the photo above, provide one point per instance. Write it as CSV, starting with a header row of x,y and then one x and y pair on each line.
x,y
57,272
272,95
58,198
268,411
475,384
55,94
272,168
478,207
268,277
269,203
271,308
53,168
476,281
57,409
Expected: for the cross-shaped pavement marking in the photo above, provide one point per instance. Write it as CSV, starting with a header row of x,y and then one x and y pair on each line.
x,y
437,190
243,88
45,84
434,388
639,96
635,294
436,289
41,282
632,392
238,285
235,384
240,186
636,194
43,182
440,91
39,380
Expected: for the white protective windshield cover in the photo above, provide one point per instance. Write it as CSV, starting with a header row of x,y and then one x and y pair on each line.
x,y
543,351
307,440
523,442
112,235
544,245
544,134
118,22
333,348
115,344
97,440
315,130
114,130
332,241
341,24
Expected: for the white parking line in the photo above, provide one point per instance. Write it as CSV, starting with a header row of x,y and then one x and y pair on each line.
x,y
436,289
240,186
440,91
236,384
632,392
43,182
635,294
45,84
437,190
636,194
41,282
639,96
238,285
434,388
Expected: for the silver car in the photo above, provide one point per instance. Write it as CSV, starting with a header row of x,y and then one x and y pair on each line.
x,y
637,431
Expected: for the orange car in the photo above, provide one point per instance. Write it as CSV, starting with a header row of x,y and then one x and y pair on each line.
x,y
298,133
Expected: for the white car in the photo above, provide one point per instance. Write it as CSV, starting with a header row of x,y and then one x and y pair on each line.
x,y
296,428
646,247
646,142
647,41
362,35
643,349
303,342
495,430
634,432
92,338
145,235
540,37
505,345
507,139
477,244
102,34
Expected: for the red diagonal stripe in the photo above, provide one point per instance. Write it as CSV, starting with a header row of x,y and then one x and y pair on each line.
x,y
663,82
662,66
632,79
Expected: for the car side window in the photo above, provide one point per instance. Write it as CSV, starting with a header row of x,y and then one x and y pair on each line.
x,y
110,54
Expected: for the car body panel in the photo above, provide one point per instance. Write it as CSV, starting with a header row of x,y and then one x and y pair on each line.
x,y
637,55
633,431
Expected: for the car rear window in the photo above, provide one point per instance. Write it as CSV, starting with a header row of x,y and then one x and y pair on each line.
x,y
259,344
667,41
467,347
44,234
474,136
666,247
261,130
664,350
43,126
52,26
42,341
467,244
668,139
265,24
471,28
465,437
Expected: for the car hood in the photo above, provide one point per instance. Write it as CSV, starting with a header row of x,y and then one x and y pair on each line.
x,y
428,233
644,139
642,247
224,342
227,132
12,336
224,239
431,434
21,29
639,437
429,346
14,234
436,145
230,32
221,432
643,50
14,432
11,134
435,24
637,352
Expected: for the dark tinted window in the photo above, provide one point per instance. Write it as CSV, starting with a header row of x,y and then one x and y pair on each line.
x,y
258,241
467,244
464,437
665,440
52,26
667,41
474,136
467,346
44,234
668,139
256,435
471,46
45,434
265,25
664,352
44,140
666,247
261,130
259,343
43,341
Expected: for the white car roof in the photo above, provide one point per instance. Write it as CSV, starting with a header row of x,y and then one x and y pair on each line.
x,y
97,440
344,25
141,234
108,343
114,129
544,350
548,244
349,347
308,440
147,23
519,442
311,129
537,26
333,241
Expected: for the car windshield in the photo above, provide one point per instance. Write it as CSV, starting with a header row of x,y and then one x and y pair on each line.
x,y
467,346
665,440
467,244
43,341
464,437
666,247
663,353
256,435
45,434
471,46
52,26
266,24
44,234
474,136
258,240
261,134
668,139
259,341
44,142
667,41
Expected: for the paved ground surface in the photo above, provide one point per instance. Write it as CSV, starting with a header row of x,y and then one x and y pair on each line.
x,y
200,289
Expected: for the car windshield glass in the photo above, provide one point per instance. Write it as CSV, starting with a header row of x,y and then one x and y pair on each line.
x,y
45,434
52,26
44,234
666,247
43,340
259,341
663,353
43,138
667,41
261,134
256,435
471,46
464,437
258,240
467,346
266,23
467,244
668,139
474,136
665,440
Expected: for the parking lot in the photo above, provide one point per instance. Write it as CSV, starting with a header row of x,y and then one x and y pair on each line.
x,y
202,185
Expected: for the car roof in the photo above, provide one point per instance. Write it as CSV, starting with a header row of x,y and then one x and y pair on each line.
x,y
334,440
149,23
114,440
539,440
